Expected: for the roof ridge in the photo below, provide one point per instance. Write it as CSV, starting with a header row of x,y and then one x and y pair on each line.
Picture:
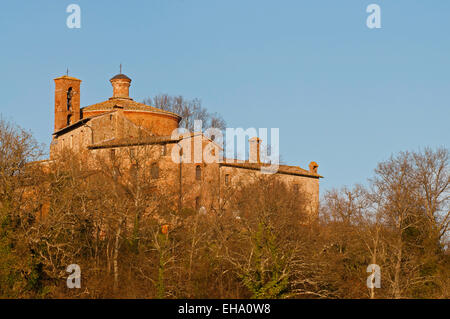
x,y
109,104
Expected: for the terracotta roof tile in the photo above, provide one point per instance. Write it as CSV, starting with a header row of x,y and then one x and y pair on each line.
x,y
123,142
127,104
120,76
283,169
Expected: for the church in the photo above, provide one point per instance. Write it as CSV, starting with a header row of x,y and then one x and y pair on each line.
x,y
121,130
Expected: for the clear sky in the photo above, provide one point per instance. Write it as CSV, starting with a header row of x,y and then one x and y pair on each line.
x,y
342,94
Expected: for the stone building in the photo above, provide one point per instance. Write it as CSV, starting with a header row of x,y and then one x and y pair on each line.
x,y
120,128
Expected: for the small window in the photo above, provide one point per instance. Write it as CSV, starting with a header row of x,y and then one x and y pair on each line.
x,y
134,173
296,187
71,141
164,150
197,203
132,152
227,179
112,155
198,173
69,119
155,171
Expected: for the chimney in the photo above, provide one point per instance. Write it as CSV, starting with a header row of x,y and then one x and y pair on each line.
x,y
121,86
313,166
254,154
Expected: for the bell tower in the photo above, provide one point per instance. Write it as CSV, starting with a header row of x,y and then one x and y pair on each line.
x,y
67,101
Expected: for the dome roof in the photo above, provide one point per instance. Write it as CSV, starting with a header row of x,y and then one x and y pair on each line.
x,y
121,76
127,105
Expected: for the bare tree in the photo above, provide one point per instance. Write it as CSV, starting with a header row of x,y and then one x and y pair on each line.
x,y
189,110
432,176
18,208
410,194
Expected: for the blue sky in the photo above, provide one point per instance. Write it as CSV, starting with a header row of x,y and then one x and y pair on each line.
x,y
342,95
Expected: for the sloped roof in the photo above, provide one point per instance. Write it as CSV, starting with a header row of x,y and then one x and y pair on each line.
x,y
66,77
127,105
120,76
79,123
147,140
124,142
282,169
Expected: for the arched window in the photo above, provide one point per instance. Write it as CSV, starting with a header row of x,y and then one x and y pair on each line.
x,y
227,179
155,171
198,173
69,99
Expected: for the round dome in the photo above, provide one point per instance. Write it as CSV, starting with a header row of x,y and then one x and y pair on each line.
x,y
121,77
